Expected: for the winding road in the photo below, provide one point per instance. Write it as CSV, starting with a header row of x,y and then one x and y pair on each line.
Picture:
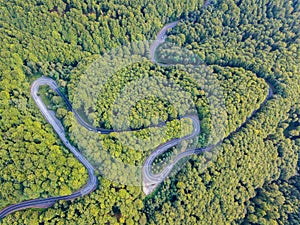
x,y
150,180
160,38
92,183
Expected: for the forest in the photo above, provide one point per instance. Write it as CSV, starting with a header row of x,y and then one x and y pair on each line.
x,y
252,177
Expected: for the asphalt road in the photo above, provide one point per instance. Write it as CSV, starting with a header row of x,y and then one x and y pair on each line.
x,y
150,180
92,181
58,128
160,38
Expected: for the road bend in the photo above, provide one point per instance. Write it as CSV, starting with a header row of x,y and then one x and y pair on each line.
x,y
90,186
150,180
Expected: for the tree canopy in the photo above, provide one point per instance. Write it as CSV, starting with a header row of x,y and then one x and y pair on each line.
x,y
249,47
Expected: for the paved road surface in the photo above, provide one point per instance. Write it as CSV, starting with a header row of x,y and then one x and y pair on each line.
x,y
160,38
150,180
50,117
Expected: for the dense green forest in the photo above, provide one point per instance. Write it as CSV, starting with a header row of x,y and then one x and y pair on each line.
x,y
251,178
50,38
275,203
134,146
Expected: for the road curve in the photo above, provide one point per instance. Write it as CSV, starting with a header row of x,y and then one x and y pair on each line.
x,y
92,181
150,180
90,186
160,38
